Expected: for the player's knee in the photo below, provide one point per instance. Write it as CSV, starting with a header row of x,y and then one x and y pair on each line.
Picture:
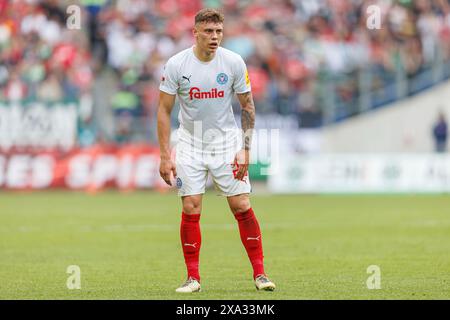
x,y
242,205
192,207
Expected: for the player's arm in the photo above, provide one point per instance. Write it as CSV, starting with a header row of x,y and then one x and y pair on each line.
x,y
166,102
248,124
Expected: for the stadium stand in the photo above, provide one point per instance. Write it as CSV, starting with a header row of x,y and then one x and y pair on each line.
x,y
315,61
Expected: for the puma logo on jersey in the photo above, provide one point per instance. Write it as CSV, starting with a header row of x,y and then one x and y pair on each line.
x,y
191,245
195,93
251,238
187,78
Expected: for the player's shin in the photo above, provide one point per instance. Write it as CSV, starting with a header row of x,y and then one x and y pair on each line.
x,y
191,241
251,239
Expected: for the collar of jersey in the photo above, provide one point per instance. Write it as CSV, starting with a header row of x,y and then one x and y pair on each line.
x,y
203,62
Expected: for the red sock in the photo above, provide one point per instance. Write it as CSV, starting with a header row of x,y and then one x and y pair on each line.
x,y
190,242
251,239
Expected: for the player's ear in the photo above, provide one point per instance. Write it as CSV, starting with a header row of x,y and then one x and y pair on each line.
x,y
194,32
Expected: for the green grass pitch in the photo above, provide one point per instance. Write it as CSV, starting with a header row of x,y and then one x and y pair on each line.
x,y
316,247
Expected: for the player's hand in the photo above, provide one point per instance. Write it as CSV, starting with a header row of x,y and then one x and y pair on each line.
x,y
166,168
241,162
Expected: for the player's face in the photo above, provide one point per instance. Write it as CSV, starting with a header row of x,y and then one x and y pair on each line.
x,y
208,36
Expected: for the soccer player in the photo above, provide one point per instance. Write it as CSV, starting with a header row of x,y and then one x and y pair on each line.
x,y
205,77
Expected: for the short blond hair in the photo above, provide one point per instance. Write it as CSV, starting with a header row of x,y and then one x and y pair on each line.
x,y
209,15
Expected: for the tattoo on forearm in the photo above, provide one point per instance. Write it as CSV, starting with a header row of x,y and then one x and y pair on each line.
x,y
248,121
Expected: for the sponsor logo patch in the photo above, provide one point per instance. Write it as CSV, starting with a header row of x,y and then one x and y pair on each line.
x,y
247,78
196,93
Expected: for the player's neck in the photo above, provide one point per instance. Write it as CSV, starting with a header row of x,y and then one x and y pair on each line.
x,y
203,56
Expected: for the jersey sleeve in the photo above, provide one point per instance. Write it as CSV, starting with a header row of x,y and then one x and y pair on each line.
x,y
241,80
169,82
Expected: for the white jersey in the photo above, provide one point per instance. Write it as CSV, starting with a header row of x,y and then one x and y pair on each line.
x,y
205,91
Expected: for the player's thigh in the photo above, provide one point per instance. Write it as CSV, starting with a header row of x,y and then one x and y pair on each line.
x,y
192,204
223,175
192,175
239,203
191,179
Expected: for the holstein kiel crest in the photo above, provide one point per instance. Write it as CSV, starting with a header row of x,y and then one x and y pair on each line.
x,y
179,183
222,78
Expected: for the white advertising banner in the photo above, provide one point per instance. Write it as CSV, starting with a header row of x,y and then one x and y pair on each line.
x,y
357,173
38,125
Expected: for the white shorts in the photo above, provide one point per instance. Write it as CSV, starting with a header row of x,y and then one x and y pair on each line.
x,y
193,168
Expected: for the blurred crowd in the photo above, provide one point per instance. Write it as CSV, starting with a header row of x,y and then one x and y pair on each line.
x,y
288,45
